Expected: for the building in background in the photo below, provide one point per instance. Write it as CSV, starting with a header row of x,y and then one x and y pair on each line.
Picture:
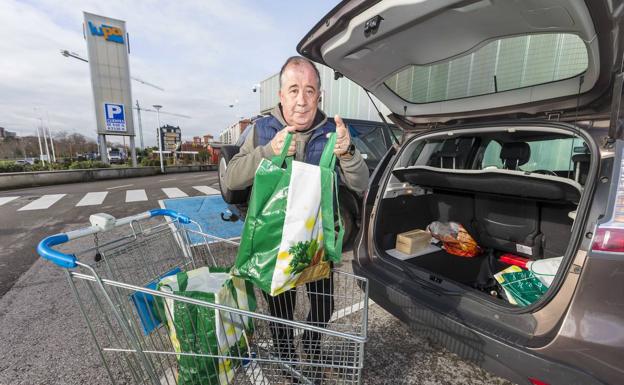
x,y
206,149
170,137
4,133
231,134
342,97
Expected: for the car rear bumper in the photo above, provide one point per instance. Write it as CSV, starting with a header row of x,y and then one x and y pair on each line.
x,y
499,357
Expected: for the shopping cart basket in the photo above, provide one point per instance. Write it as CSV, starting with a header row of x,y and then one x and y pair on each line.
x,y
114,279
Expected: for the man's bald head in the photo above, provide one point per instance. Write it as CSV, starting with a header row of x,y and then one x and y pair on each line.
x,y
298,61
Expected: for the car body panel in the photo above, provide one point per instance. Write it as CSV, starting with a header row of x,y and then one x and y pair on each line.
x,y
556,339
370,68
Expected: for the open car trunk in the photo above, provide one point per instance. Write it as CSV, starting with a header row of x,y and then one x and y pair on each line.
x,y
524,206
500,224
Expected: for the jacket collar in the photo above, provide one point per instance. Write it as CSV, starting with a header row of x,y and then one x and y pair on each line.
x,y
319,120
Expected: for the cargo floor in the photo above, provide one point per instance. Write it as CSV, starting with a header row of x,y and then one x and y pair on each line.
x,y
444,265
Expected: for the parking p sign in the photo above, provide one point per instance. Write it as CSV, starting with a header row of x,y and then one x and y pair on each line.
x,y
115,117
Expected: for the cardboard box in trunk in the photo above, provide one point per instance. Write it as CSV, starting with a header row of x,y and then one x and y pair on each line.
x,y
412,241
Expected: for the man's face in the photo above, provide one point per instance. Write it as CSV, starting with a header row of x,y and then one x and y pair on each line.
x,y
299,95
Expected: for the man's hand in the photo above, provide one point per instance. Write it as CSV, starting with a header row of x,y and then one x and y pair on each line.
x,y
277,143
343,139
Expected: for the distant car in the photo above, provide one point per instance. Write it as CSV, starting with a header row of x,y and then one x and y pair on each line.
x,y
116,156
513,115
26,161
371,138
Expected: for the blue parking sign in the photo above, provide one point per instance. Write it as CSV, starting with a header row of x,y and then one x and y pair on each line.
x,y
115,117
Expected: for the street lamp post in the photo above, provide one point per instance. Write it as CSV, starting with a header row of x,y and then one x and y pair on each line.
x,y
158,137
40,148
50,135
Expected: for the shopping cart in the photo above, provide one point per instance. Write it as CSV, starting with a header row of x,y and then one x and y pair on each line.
x,y
114,279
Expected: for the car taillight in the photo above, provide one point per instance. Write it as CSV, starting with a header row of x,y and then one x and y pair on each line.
x,y
609,236
535,381
609,239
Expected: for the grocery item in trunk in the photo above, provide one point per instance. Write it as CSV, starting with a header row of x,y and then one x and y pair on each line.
x,y
513,259
545,269
413,241
523,286
455,239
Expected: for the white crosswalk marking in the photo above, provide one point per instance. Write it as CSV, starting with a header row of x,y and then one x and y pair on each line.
x,y
43,203
207,190
174,192
135,195
4,200
93,199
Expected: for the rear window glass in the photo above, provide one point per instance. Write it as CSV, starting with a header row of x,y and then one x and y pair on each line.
x,y
370,142
549,155
500,65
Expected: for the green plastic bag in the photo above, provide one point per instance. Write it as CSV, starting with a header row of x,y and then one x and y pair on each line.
x,y
204,330
523,286
289,236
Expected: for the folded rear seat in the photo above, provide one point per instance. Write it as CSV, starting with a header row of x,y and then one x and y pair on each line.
x,y
505,223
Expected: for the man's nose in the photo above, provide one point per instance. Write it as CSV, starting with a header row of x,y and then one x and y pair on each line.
x,y
301,100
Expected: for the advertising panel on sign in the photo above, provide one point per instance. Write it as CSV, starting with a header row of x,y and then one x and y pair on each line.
x,y
107,46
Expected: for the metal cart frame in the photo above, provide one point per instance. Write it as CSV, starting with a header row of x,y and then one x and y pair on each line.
x,y
115,282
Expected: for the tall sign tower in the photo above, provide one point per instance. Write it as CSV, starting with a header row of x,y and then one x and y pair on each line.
x,y
107,46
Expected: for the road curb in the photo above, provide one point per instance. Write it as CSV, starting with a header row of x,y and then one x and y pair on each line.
x,y
17,180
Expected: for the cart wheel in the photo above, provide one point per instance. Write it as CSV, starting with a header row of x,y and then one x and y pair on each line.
x,y
230,218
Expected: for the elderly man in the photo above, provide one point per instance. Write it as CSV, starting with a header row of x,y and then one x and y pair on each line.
x,y
298,112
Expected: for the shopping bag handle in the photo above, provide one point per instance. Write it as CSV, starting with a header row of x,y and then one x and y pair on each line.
x,y
333,241
279,159
328,158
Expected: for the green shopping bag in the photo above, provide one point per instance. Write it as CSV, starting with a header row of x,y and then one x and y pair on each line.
x,y
523,286
289,235
203,330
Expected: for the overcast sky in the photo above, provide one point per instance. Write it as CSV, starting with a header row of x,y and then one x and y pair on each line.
x,y
205,54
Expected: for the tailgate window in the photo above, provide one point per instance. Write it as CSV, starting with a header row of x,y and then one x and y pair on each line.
x,y
500,65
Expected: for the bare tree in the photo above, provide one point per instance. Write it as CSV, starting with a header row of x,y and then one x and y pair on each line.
x,y
67,146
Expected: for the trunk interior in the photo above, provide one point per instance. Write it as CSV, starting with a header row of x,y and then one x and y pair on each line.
x,y
512,211
497,223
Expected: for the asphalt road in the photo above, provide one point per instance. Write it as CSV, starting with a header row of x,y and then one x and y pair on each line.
x,y
45,340
21,229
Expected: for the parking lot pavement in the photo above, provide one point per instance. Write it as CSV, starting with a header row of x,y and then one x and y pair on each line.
x,y
395,355
45,341
32,213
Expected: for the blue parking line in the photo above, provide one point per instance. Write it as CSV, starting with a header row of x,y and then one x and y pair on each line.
x,y
206,210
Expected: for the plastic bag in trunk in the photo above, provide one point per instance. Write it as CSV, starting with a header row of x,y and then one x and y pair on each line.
x,y
455,239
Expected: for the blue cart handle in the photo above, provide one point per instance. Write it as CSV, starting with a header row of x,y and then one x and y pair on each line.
x,y
69,261
170,213
46,251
